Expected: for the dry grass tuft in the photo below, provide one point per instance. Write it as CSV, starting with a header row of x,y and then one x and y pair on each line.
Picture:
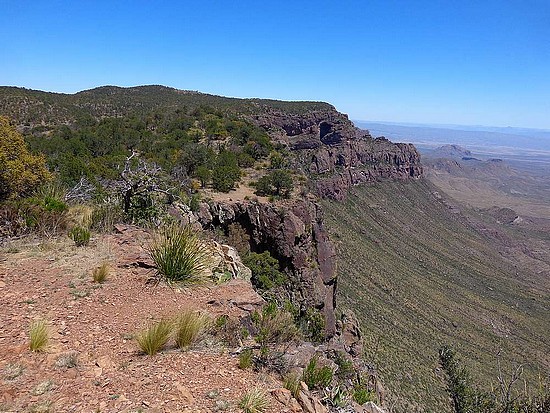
x,y
67,360
100,273
189,327
153,339
255,401
12,371
39,335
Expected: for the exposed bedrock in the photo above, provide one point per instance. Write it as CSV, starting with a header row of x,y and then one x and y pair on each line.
x,y
292,232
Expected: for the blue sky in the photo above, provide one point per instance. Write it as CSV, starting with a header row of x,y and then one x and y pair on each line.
x,y
462,62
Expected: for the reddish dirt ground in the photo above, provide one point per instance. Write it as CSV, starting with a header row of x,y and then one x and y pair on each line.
x,y
52,280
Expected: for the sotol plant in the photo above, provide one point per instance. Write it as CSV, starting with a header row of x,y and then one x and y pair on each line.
x,y
179,255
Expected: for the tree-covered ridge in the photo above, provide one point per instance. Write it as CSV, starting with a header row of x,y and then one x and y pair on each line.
x,y
32,107
203,143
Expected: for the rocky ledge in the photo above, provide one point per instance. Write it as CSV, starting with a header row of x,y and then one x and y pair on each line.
x,y
335,154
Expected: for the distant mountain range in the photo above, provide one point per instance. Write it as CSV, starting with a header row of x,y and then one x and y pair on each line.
x,y
479,139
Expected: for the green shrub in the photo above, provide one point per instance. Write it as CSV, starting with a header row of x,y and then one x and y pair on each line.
x,y
265,270
246,358
21,171
345,366
179,255
226,172
313,325
278,182
152,339
80,235
255,401
317,377
465,397
194,202
188,327
361,394
274,326
38,335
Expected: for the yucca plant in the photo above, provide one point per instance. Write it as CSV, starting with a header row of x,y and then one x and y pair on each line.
x,y
39,335
100,273
179,255
255,401
188,327
153,338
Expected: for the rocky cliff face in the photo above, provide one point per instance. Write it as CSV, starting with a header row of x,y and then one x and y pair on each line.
x,y
336,154
293,233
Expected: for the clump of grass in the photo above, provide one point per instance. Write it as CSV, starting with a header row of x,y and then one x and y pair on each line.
x,y
67,360
255,401
39,335
274,326
246,359
291,382
153,338
100,273
80,235
179,255
188,327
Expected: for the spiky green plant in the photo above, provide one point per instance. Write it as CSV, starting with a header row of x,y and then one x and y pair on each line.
x,y
255,401
188,327
39,335
179,255
153,338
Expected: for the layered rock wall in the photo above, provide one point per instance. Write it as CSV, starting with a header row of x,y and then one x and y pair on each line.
x,y
292,232
336,155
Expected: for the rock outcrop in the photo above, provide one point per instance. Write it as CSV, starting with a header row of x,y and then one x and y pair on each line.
x,y
335,154
293,233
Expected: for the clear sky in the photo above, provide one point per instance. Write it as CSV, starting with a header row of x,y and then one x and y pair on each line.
x,y
463,62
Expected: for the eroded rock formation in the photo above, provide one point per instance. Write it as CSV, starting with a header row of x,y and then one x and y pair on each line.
x,y
292,232
335,154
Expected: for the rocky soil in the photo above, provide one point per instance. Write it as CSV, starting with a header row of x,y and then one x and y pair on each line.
x,y
93,325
